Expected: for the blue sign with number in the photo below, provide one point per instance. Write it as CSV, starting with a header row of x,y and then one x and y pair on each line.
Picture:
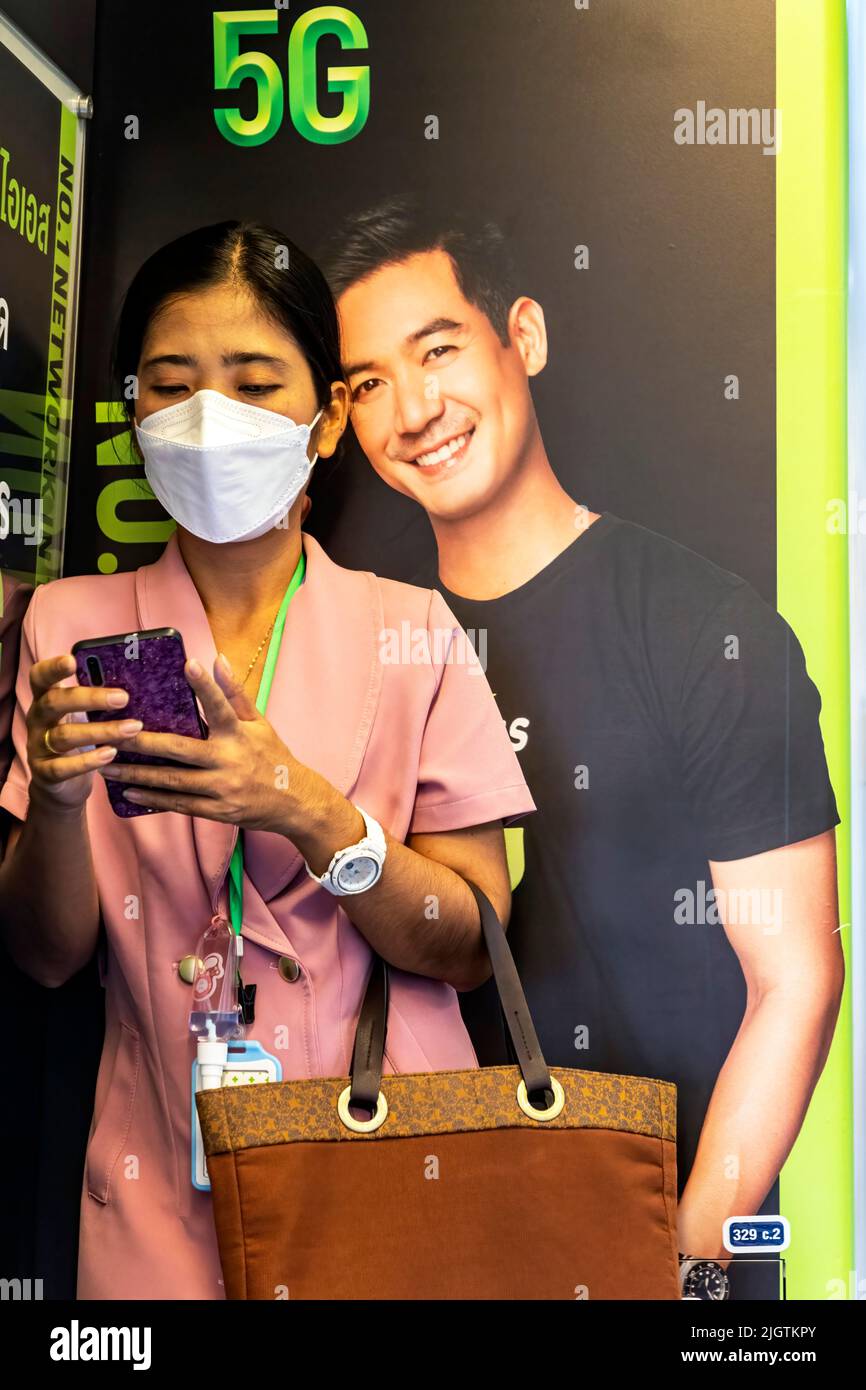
x,y
756,1233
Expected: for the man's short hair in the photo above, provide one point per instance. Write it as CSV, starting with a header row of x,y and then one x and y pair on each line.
x,y
405,226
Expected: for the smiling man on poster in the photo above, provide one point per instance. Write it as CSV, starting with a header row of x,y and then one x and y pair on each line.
x,y
677,914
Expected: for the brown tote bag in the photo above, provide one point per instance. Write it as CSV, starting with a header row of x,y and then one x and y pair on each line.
x,y
511,1182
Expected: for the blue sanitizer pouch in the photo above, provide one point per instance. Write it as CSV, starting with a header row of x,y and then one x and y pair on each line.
x,y
246,1064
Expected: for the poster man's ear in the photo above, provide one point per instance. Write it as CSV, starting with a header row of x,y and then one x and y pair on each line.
x,y
528,332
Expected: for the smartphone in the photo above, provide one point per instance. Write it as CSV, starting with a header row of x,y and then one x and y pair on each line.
x,y
148,665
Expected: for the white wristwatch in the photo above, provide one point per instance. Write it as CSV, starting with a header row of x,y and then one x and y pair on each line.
x,y
357,868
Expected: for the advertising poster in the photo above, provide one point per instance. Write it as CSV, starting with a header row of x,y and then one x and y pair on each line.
x,y
588,255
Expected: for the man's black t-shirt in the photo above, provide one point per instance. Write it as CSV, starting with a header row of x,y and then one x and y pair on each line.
x,y
663,717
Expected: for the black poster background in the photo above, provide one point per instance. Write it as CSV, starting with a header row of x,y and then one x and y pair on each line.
x,y
556,121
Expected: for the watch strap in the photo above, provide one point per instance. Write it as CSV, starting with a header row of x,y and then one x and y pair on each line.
x,y
372,839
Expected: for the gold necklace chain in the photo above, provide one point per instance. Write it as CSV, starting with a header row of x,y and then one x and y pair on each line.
x,y
258,653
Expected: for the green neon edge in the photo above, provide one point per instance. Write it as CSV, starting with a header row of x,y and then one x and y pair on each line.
x,y
811,363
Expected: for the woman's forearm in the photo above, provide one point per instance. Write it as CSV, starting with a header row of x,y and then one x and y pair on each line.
x,y
420,916
49,908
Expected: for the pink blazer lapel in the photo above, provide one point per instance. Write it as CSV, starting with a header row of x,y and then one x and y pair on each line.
x,y
323,698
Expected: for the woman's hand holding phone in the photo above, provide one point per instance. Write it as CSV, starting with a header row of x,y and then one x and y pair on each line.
x,y
65,776
242,773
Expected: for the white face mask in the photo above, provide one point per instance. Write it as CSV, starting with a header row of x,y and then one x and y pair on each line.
x,y
225,470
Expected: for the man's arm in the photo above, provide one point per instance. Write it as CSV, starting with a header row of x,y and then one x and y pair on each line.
x,y
786,939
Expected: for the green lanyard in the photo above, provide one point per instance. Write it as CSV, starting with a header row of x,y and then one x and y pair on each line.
x,y
236,866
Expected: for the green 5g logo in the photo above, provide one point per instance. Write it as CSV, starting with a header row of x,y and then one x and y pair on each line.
x,y
231,67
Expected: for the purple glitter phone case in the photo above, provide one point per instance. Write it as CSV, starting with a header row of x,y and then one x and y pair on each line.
x,y
149,666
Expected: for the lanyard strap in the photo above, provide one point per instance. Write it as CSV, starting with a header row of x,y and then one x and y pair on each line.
x,y
236,866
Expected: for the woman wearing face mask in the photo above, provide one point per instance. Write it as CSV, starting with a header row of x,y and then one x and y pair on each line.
x,y
401,765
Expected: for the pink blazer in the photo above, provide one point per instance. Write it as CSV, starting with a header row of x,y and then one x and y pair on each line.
x,y
420,745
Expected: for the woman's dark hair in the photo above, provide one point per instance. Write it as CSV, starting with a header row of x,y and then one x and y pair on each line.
x,y
286,284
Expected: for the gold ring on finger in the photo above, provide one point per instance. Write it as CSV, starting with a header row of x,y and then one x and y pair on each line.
x,y
46,738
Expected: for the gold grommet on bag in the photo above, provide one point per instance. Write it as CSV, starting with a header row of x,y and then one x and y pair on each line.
x,y
187,967
289,969
530,1110
361,1126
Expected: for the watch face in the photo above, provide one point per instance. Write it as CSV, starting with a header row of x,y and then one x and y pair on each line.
x,y
357,874
706,1280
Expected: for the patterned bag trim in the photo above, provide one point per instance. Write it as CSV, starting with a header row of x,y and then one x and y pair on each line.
x,y
444,1102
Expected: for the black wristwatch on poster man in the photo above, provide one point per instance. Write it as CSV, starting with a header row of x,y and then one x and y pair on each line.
x,y
704,1279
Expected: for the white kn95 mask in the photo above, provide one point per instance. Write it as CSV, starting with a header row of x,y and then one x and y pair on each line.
x,y
223,469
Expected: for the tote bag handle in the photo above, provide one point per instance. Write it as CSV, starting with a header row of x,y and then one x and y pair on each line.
x,y
369,1050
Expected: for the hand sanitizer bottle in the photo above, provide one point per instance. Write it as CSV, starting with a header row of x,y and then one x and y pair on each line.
x,y
215,1012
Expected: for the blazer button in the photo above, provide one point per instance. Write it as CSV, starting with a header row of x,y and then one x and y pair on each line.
x,y
186,968
289,969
